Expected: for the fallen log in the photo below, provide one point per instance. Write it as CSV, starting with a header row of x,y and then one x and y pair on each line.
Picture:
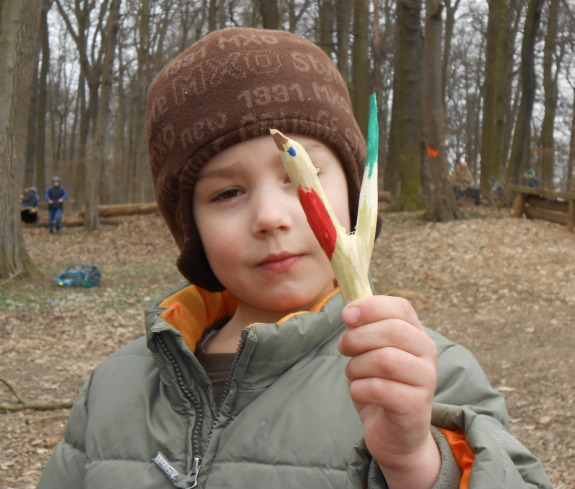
x,y
124,209
72,222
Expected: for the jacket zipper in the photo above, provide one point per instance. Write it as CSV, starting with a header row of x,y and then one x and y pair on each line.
x,y
227,387
191,480
233,365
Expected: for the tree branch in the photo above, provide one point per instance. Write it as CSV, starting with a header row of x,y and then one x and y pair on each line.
x,y
22,404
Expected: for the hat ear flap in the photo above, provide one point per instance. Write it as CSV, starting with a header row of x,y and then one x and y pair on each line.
x,y
193,263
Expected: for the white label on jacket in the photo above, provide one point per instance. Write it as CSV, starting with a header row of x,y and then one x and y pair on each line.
x,y
165,466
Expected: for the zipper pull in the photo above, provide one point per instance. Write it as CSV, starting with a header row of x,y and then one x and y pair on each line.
x,y
180,481
193,475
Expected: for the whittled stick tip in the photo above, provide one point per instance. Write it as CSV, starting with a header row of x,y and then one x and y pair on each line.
x,y
279,138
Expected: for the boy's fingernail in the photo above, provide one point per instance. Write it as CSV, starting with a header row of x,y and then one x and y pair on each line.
x,y
351,316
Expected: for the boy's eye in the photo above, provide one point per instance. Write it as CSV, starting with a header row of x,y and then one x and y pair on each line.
x,y
226,194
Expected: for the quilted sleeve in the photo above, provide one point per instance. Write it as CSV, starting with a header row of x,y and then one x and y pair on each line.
x,y
466,402
65,467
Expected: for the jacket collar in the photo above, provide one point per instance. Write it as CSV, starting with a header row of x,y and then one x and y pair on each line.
x,y
191,310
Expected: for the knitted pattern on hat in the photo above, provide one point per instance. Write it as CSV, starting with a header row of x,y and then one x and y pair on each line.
x,y
231,86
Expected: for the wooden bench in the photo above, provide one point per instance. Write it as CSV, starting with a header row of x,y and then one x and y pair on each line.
x,y
538,203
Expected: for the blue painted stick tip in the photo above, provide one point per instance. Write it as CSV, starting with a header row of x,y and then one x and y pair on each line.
x,y
291,151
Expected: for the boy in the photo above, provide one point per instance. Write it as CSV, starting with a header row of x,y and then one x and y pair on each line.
x,y
55,196
242,382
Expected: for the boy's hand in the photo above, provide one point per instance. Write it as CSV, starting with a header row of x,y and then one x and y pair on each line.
x,y
392,377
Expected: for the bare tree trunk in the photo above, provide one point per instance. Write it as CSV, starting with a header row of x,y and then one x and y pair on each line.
x,y
40,146
569,178
212,15
361,79
83,110
84,123
342,20
382,61
440,201
326,26
116,170
98,148
19,27
270,14
406,144
511,97
141,84
378,86
550,89
494,114
519,159
391,174
31,145
450,11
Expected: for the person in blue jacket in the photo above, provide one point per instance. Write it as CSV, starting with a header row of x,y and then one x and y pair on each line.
x,y
55,196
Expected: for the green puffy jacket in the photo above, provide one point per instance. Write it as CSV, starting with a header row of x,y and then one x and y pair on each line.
x,y
146,418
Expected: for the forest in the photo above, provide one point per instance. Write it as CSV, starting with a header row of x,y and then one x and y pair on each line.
x,y
486,82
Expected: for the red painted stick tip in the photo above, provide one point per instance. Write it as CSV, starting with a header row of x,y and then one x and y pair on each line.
x,y
319,219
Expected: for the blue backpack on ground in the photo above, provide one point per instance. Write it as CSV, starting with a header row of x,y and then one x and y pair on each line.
x,y
80,275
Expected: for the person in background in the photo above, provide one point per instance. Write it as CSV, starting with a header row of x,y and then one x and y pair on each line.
x,y
530,179
496,191
254,373
29,205
464,183
55,196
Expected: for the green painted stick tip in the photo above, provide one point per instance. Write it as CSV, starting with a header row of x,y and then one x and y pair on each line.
x,y
372,135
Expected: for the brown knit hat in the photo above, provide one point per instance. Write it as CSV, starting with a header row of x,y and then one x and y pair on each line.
x,y
231,86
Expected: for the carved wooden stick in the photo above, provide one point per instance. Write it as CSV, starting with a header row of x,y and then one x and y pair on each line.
x,y
349,254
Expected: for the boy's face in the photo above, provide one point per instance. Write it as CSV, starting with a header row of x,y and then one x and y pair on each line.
x,y
255,233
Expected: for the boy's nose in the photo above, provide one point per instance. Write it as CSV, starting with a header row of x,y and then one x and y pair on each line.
x,y
272,212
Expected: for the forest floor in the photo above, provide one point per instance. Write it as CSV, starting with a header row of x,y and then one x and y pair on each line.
x,y
501,286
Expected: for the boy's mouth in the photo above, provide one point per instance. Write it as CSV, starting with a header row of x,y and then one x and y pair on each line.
x,y
279,262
